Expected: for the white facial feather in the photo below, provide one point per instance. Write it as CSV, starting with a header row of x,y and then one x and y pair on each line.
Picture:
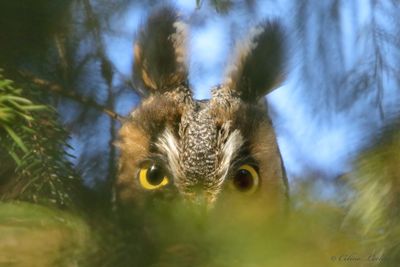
x,y
229,152
168,145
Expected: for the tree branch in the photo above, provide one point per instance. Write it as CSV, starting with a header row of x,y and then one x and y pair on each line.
x,y
58,89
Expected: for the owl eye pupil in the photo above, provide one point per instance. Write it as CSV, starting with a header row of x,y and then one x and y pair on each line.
x,y
155,175
243,180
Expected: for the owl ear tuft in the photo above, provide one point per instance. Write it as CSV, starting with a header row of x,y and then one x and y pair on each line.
x,y
259,63
160,52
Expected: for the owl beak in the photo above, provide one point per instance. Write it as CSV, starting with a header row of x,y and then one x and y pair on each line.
x,y
202,200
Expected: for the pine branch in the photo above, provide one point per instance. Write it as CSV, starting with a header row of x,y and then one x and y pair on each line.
x,y
36,163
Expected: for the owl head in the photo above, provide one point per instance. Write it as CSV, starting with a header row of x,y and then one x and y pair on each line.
x,y
201,151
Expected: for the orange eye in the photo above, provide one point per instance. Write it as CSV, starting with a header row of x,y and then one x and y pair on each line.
x,y
152,177
246,179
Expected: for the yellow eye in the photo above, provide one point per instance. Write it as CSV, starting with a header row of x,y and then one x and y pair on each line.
x,y
246,179
152,177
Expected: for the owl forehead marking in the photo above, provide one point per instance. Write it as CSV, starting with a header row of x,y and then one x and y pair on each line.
x,y
199,145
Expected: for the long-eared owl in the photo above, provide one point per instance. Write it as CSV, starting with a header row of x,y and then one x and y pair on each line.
x,y
174,146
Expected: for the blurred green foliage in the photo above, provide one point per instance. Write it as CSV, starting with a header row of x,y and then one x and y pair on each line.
x,y
36,236
376,201
173,234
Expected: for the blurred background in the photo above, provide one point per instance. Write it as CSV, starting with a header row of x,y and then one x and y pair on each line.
x,y
341,88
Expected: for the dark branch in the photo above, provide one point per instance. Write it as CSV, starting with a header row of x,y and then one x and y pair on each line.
x,y
59,90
